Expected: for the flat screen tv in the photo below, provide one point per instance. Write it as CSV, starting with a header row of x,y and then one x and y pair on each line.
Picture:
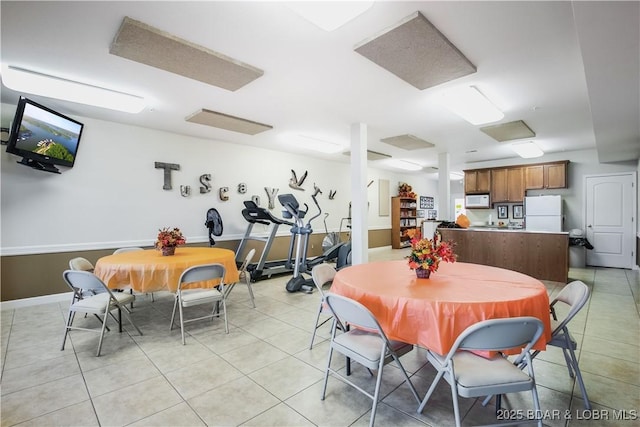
x,y
43,137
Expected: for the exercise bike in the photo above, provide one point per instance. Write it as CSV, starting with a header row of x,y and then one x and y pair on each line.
x,y
300,239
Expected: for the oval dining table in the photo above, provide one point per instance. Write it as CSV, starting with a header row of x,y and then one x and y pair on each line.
x,y
149,271
433,312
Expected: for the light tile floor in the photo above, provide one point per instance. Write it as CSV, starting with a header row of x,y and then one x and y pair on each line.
x,y
263,374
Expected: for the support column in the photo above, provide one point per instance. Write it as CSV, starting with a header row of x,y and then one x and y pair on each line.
x,y
444,187
359,218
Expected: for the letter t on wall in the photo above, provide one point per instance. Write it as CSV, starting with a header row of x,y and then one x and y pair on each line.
x,y
168,167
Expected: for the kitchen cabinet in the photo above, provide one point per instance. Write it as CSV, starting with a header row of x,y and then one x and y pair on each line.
x,y
546,176
404,216
507,185
477,181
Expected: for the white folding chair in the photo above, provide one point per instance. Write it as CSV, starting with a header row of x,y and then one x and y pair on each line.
x,y
87,299
321,274
244,275
131,249
471,375
368,346
189,296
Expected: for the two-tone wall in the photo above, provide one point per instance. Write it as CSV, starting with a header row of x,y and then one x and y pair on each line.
x,y
114,197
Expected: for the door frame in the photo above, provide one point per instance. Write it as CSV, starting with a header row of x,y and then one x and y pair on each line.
x,y
634,206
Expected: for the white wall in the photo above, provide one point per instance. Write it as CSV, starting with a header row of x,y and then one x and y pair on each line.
x,y
113,195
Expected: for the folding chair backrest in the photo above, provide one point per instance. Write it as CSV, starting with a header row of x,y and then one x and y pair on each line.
x,y
81,264
84,280
123,250
247,260
575,295
352,312
321,275
501,334
200,273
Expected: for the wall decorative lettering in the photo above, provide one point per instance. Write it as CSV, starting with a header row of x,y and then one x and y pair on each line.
x,y
242,188
223,192
205,180
256,199
185,190
271,194
316,190
332,194
296,183
168,167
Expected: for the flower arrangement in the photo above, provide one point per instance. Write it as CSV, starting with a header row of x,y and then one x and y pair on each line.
x,y
169,238
405,190
426,254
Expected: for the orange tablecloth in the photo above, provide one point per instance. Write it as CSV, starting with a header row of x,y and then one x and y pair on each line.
x,y
149,271
433,312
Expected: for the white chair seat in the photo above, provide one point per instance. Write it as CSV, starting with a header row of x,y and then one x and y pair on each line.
x,y
366,345
476,371
98,303
196,297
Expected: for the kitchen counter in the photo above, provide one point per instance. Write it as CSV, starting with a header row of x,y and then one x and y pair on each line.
x,y
540,254
509,229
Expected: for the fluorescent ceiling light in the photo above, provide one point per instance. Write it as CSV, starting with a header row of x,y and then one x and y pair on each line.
x,y
527,149
468,103
329,15
317,144
27,81
404,165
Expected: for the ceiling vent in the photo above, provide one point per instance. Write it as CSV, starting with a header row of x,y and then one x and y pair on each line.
x,y
407,142
509,131
147,45
417,52
225,121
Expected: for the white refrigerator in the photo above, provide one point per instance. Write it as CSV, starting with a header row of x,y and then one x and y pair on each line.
x,y
543,213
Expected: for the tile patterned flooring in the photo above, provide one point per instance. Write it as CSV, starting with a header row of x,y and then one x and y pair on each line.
x,y
263,374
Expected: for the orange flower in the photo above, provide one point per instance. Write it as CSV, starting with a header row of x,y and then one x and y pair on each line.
x,y
169,237
426,253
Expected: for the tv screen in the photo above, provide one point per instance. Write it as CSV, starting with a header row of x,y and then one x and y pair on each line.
x,y
43,137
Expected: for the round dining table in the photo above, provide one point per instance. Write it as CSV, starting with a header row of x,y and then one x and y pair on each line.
x,y
150,271
433,312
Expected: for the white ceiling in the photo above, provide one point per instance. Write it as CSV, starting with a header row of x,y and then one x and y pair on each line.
x,y
570,70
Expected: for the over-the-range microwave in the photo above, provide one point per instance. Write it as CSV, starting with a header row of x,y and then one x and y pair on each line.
x,y
476,201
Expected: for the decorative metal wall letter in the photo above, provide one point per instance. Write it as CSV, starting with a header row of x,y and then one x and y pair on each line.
x,y
332,194
205,180
168,167
223,193
242,188
256,200
316,190
271,194
185,190
296,183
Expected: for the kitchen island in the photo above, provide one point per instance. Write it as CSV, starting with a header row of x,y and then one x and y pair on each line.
x,y
539,254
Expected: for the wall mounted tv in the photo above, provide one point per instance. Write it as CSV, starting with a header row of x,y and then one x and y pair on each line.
x,y
43,137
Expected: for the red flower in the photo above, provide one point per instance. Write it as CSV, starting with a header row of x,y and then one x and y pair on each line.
x,y
426,253
169,237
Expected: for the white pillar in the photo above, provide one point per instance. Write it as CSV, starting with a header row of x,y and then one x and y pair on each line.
x,y
359,220
444,187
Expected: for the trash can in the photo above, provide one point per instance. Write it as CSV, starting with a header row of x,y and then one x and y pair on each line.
x,y
578,244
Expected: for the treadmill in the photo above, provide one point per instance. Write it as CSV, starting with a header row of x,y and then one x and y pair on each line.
x,y
254,214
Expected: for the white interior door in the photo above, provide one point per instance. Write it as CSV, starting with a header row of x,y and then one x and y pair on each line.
x,y
610,212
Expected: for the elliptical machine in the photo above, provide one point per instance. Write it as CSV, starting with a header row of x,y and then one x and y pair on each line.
x,y
300,233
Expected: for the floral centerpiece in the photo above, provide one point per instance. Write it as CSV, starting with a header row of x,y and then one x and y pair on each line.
x,y
168,239
426,254
405,190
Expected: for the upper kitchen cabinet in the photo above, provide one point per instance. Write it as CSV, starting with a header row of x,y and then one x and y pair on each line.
x,y
477,181
507,185
546,176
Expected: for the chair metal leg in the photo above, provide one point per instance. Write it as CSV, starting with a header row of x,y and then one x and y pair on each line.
x,y
435,382
576,369
66,328
181,323
376,393
316,326
326,373
173,313
104,325
250,289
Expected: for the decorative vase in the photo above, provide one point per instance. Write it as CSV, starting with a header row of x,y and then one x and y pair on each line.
x,y
423,273
168,250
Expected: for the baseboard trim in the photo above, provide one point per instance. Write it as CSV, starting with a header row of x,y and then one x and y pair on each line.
x,y
27,302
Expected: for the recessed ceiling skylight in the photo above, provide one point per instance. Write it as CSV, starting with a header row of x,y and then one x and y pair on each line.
x,y
527,149
329,15
468,103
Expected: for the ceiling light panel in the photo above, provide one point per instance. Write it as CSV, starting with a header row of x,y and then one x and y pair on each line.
x,y
27,81
509,131
225,121
317,144
404,165
417,52
373,155
147,45
470,104
407,142
527,150
329,16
